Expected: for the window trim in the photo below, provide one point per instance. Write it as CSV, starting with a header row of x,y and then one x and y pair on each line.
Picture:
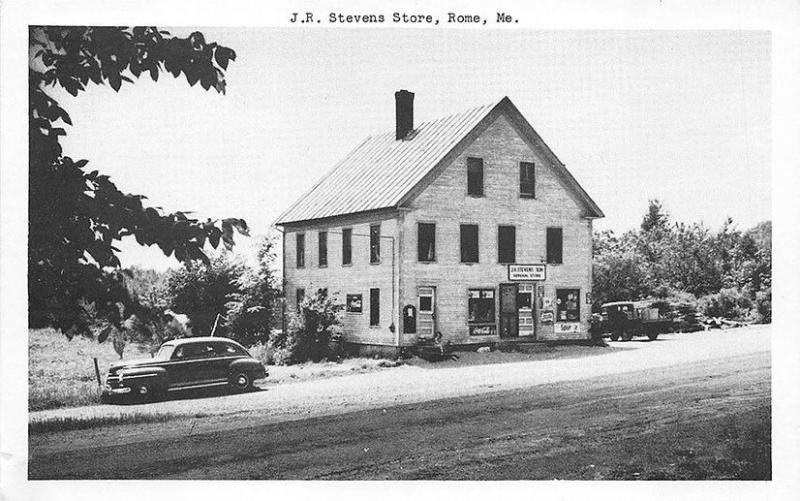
x,y
347,304
477,242
300,257
419,225
320,248
376,244
547,246
523,194
577,302
482,177
349,233
493,323
374,314
499,246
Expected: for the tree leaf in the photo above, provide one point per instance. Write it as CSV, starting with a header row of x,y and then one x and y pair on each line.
x,y
103,335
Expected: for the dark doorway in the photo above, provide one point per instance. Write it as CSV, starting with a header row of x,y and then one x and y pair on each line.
x,y
509,319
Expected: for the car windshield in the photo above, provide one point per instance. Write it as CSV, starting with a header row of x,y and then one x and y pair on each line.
x,y
164,352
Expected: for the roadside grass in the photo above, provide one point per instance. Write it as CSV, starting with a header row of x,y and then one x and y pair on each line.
x,y
83,422
61,371
279,374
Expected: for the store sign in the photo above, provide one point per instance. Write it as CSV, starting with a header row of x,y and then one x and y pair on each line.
x,y
547,317
567,328
482,330
527,272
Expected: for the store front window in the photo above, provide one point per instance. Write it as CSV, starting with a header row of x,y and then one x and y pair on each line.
x,y
482,316
568,305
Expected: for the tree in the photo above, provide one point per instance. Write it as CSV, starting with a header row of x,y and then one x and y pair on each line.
x,y
655,218
202,290
77,215
250,309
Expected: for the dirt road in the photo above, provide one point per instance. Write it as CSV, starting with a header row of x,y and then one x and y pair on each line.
x,y
557,425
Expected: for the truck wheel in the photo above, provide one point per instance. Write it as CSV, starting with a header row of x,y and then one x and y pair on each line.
x,y
241,381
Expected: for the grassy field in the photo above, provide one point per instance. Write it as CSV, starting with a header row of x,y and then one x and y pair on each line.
x,y
61,372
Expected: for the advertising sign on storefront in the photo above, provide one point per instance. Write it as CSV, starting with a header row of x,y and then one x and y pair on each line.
x,y
526,272
567,328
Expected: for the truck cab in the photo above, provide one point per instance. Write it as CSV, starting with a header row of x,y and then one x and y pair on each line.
x,y
625,319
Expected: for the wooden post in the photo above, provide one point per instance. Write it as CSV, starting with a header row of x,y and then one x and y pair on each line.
x,y
214,329
97,372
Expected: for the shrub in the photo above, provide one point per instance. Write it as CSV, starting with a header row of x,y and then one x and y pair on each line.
x,y
313,333
263,353
733,304
764,306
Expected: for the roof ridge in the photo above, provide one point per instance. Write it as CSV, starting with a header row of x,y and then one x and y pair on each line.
x,y
467,111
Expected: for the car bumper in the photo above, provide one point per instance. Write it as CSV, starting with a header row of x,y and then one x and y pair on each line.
x,y
116,391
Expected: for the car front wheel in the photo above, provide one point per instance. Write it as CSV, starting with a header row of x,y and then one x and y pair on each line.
x,y
144,392
241,381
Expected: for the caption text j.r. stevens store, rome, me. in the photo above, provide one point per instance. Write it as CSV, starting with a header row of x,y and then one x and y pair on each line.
x,y
399,18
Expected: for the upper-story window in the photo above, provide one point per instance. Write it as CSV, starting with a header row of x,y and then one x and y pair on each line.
x,y
301,250
469,243
426,242
323,248
475,177
347,246
555,245
506,244
527,180
375,243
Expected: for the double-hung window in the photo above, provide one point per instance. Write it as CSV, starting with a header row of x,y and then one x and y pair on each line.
x,y
323,249
426,242
555,245
475,177
469,243
375,244
506,244
301,250
527,180
347,246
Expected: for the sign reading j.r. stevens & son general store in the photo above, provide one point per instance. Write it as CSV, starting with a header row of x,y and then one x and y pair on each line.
x,y
526,272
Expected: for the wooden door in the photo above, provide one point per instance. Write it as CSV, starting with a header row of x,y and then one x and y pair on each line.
x,y
509,318
426,311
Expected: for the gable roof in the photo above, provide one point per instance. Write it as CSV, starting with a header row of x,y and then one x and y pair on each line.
x,y
383,172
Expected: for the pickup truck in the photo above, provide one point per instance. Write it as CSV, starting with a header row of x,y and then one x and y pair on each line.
x,y
625,319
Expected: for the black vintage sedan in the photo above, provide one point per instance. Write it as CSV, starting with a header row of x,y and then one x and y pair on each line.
x,y
184,364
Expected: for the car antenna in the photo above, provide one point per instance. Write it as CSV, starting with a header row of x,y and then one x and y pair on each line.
x,y
214,329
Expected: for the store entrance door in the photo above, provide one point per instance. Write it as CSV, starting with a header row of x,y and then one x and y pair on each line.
x,y
426,311
509,318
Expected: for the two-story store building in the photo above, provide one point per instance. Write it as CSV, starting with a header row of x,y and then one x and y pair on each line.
x,y
468,225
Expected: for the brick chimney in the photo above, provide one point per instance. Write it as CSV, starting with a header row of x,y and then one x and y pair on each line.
x,y
404,113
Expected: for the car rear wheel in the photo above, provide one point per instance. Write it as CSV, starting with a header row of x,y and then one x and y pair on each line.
x,y
241,381
615,336
653,336
627,335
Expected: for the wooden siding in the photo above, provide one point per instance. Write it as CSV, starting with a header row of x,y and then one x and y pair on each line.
x,y
356,278
445,202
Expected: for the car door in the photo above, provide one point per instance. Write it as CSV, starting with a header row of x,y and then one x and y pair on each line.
x,y
194,363
225,353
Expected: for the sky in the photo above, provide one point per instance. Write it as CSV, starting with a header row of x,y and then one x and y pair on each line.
x,y
681,116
